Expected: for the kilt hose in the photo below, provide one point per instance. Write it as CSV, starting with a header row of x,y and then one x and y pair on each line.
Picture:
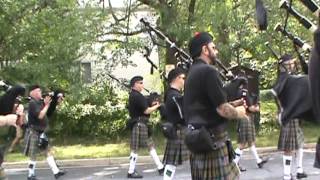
x,y
246,131
291,136
176,151
31,140
140,137
213,165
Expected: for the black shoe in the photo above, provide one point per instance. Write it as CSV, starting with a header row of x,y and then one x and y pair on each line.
x,y
33,177
134,175
260,165
242,169
161,171
60,173
301,175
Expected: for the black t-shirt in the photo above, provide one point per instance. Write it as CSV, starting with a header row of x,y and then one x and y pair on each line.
x,y
137,104
172,110
33,112
203,94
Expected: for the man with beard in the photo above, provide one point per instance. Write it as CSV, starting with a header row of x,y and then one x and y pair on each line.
x,y
37,125
291,135
205,107
176,151
139,112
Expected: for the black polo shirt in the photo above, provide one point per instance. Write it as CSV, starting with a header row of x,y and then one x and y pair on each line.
x,y
34,109
137,104
203,94
172,110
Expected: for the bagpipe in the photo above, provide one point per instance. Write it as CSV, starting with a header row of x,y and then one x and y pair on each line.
x,y
12,96
11,108
185,61
55,96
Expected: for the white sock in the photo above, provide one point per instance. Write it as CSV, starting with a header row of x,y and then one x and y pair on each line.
x,y
299,156
133,161
238,152
52,164
169,171
31,168
255,153
287,166
155,158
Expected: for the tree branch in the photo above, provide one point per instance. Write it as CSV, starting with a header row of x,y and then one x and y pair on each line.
x,y
113,32
118,20
111,40
191,11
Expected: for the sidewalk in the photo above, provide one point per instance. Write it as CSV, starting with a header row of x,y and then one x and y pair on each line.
x,y
122,160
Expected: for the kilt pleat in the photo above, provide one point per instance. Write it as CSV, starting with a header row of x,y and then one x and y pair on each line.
x,y
31,140
139,136
246,131
213,166
291,136
176,151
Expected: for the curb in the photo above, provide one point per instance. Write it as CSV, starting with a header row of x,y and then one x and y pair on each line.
x,y
120,160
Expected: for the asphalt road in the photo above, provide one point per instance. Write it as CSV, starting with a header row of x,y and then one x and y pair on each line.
x,y
272,170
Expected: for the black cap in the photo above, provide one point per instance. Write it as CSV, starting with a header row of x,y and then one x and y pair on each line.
x,y
33,87
135,79
284,58
197,41
17,90
174,73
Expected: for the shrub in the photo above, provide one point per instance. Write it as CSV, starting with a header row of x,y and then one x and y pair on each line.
x,y
97,111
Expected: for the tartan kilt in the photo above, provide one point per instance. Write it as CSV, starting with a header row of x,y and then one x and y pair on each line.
x,y
31,140
176,151
291,136
139,136
246,131
213,165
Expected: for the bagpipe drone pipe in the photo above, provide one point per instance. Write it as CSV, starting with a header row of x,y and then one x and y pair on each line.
x,y
184,59
305,22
